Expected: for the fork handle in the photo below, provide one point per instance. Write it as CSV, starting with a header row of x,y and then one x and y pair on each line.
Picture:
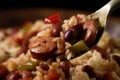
x,y
114,4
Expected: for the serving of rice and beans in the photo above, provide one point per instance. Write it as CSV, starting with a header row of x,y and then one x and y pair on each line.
x,y
52,49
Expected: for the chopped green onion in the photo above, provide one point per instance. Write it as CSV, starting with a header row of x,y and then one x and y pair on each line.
x,y
31,65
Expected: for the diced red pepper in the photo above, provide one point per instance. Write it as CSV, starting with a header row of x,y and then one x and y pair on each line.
x,y
54,19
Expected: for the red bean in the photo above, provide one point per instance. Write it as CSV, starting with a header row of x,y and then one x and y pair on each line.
x,y
65,65
44,66
26,74
13,76
102,51
68,35
89,70
19,75
74,33
116,58
52,75
56,30
3,72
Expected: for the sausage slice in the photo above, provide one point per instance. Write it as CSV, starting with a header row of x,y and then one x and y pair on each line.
x,y
91,30
42,47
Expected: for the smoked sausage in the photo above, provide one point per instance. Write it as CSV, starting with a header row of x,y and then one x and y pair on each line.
x,y
42,47
90,32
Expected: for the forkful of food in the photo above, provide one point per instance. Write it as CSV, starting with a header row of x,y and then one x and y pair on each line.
x,y
81,31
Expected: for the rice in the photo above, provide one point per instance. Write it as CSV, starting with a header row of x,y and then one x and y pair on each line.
x,y
21,52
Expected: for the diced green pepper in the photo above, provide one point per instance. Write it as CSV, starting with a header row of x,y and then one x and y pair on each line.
x,y
79,46
31,65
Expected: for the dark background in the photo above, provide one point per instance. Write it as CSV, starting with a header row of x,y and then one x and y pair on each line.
x,y
84,5
87,5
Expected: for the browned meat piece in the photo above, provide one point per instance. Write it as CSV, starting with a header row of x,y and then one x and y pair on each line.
x,y
91,32
42,48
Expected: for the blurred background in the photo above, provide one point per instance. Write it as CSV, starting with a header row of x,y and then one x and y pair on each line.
x,y
12,13
87,5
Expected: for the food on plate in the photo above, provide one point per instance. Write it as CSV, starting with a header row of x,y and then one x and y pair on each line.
x,y
55,49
